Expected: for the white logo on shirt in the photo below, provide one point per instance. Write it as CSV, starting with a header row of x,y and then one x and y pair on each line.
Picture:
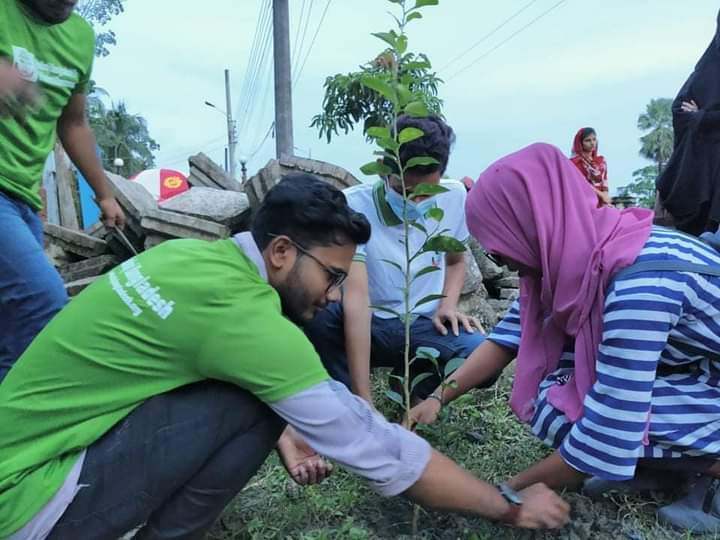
x,y
24,61
33,70
141,284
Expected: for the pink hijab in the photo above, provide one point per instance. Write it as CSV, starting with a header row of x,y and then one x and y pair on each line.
x,y
530,207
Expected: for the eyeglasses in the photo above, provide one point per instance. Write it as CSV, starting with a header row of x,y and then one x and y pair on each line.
x,y
495,259
336,277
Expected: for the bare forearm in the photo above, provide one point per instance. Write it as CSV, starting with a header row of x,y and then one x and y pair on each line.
x,y
79,142
553,471
445,486
484,363
357,345
454,281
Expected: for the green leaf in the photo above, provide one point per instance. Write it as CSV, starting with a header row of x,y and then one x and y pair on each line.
x,y
435,213
404,95
428,298
417,109
444,244
410,134
387,310
427,352
419,226
452,365
389,144
421,160
394,396
426,270
413,15
423,3
375,167
393,263
398,377
388,37
420,378
424,190
379,132
411,66
401,44
381,86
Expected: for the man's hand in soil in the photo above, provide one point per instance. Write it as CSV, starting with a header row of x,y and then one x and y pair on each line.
x,y
302,463
542,508
15,92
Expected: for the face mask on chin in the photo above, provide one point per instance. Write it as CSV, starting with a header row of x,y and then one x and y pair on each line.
x,y
415,210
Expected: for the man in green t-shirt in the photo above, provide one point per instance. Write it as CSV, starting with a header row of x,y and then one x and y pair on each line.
x,y
46,55
180,368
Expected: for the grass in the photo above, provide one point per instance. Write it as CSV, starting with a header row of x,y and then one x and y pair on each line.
x,y
343,507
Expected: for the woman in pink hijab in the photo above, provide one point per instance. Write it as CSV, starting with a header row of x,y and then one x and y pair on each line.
x,y
616,334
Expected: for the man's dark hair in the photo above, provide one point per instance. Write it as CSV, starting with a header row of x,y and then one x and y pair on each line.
x,y
311,212
436,142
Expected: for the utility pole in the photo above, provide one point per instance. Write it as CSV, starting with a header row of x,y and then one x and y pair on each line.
x,y
283,90
232,136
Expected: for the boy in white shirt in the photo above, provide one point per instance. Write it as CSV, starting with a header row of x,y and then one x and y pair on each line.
x,y
350,336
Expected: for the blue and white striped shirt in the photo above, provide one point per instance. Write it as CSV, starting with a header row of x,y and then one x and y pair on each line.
x,y
659,359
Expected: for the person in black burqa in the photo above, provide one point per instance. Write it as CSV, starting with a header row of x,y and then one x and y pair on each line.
x,y
687,186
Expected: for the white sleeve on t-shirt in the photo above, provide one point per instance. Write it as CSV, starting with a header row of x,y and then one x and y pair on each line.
x,y
343,427
456,214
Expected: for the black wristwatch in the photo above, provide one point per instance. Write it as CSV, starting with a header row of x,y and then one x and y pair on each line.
x,y
514,500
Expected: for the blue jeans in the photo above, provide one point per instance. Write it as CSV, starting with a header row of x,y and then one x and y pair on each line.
x,y
31,290
327,333
173,463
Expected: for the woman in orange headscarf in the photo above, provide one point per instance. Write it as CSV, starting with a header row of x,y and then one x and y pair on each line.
x,y
591,165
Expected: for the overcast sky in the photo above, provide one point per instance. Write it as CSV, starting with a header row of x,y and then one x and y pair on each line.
x,y
583,63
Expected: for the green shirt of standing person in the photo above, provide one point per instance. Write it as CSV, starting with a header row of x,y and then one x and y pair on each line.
x,y
46,54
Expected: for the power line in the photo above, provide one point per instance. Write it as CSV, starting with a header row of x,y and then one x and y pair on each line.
x,y
488,35
257,115
261,29
251,70
298,51
297,33
312,43
261,87
503,42
259,146
261,64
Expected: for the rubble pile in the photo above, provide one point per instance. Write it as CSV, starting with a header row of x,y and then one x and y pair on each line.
x,y
257,186
489,289
216,207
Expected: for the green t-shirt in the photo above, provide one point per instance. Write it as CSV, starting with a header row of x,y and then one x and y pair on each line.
x,y
185,311
58,59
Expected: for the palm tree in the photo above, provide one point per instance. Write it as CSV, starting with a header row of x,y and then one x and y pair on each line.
x,y
657,143
123,135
